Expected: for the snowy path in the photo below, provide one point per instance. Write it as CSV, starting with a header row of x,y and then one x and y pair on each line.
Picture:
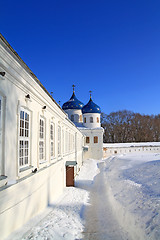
x,y
100,222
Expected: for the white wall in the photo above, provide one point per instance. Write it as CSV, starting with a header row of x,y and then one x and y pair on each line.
x,y
29,193
109,151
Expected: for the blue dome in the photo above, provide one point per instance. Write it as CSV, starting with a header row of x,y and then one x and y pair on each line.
x,y
73,103
91,107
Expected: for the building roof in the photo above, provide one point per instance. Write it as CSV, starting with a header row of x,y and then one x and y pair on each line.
x,y
91,107
72,103
71,163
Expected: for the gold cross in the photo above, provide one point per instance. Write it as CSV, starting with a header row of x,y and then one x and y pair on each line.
x,y
90,94
73,87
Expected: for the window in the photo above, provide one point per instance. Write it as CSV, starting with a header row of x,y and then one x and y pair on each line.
x,y
59,140
85,120
1,135
97,119
24,138
91,119
73,142
66,141
42,140
63,143
72,118
0,112
80,117
87,140
95,139
52,138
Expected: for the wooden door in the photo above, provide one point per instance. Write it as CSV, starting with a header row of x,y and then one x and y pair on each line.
x,y
69,176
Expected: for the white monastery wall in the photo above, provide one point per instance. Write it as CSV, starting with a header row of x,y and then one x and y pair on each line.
x,y
46,143
130,148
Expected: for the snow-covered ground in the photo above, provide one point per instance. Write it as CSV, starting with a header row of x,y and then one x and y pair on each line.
x,y
130,187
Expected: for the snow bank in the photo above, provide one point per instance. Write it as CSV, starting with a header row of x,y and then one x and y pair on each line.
x,y
133,187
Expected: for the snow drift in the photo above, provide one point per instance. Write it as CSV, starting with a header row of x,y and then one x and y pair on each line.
x,y
133,187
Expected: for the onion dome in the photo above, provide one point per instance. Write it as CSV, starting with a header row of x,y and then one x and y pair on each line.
x,y
73,103
91,107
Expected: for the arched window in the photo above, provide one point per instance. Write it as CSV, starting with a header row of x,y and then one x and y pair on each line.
x,y
72,118
97,119
85,120
91,119
77,118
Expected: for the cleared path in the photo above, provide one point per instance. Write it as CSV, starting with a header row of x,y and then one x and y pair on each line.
x,y
100,221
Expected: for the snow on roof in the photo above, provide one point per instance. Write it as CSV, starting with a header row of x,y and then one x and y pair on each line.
x,y
137,144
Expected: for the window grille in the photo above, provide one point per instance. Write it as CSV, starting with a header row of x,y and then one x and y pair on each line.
x,y
24,138
41,140
52,139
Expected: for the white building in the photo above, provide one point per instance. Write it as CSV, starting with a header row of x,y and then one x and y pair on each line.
x,y
88,121
37,142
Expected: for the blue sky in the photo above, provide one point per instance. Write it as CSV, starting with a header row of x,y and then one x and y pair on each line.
x,y
109,47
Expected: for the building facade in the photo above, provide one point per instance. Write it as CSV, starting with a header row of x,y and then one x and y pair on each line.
x,y
37,139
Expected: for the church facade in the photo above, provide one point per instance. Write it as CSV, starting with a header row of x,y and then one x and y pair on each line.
x,y
88,121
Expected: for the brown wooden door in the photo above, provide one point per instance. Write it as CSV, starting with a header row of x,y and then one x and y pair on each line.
x,y
70,176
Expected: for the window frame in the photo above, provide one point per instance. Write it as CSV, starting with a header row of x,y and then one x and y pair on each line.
x,y
91,119
24,138
52,140
95,140
72,117
1,134
87,139
42,140
59,141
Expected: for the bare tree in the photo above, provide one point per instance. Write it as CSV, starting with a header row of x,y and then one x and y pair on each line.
x,y
127,126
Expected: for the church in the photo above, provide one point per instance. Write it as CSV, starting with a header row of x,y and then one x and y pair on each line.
x,y
87,119
39,141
